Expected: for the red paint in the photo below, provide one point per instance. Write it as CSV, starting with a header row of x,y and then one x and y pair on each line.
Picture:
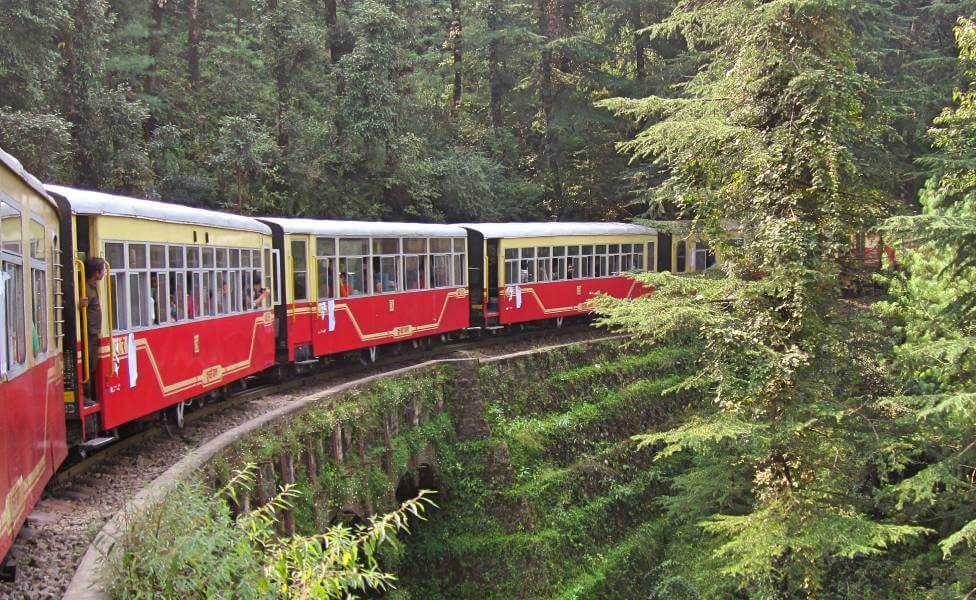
x,y
411,315
32,439
562,298
226,349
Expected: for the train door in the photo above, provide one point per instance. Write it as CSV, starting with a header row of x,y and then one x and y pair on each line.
x,y
664,252
492,259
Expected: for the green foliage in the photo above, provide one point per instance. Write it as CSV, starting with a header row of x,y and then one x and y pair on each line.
x,y
188,545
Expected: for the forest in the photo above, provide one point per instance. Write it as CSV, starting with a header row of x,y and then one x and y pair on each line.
x,y
831,450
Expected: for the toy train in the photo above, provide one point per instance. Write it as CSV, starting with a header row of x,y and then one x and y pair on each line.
x,y
188,303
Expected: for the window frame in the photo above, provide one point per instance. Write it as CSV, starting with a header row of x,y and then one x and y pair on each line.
x,y
13,367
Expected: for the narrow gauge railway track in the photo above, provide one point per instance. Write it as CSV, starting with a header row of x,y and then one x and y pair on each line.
x,y
77,466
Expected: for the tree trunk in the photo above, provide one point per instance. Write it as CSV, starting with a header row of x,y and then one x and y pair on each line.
x,y
548,27
286,465
336,49
337,456
456,41
193,41
495,82
640,40
361,447
155,46
69,70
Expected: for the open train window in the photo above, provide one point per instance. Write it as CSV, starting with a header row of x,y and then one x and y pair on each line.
x,y
386,273
587,264
543,265
414,263
573,262
325,266
558,263
12,318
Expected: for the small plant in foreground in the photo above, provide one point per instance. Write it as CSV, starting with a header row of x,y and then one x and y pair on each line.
x,y
189,545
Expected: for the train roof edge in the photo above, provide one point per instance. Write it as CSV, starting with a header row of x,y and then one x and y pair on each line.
x,y
87,202
18,169
553,229
364,228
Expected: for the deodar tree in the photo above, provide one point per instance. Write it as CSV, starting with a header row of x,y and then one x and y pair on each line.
x,y
769,149
933,299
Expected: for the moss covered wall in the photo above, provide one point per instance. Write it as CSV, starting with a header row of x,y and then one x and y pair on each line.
x,y
555,500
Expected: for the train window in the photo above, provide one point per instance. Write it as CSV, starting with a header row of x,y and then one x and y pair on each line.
x,y
139,300
36,231
236,290
325,246
157,256
193,305
13,325
441,262
573,262
208,258
221,258
626,258
137,256
385,274
176,257
299,264
438,245
413,276
543,265
679,256
613,253
415,246
352,276
600,260
177,301
353,246
587,264
160,299
39,287
527,265
386,246
115,255
440,270
704,256
511,266
460,270
235,258
207,296
222,293
270,270
559,263
193,257
651,256
414,263
326,277
460,265
385,271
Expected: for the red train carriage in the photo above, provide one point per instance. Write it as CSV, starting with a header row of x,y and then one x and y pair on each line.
x,y
355,285
32,427
181,312
534,271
